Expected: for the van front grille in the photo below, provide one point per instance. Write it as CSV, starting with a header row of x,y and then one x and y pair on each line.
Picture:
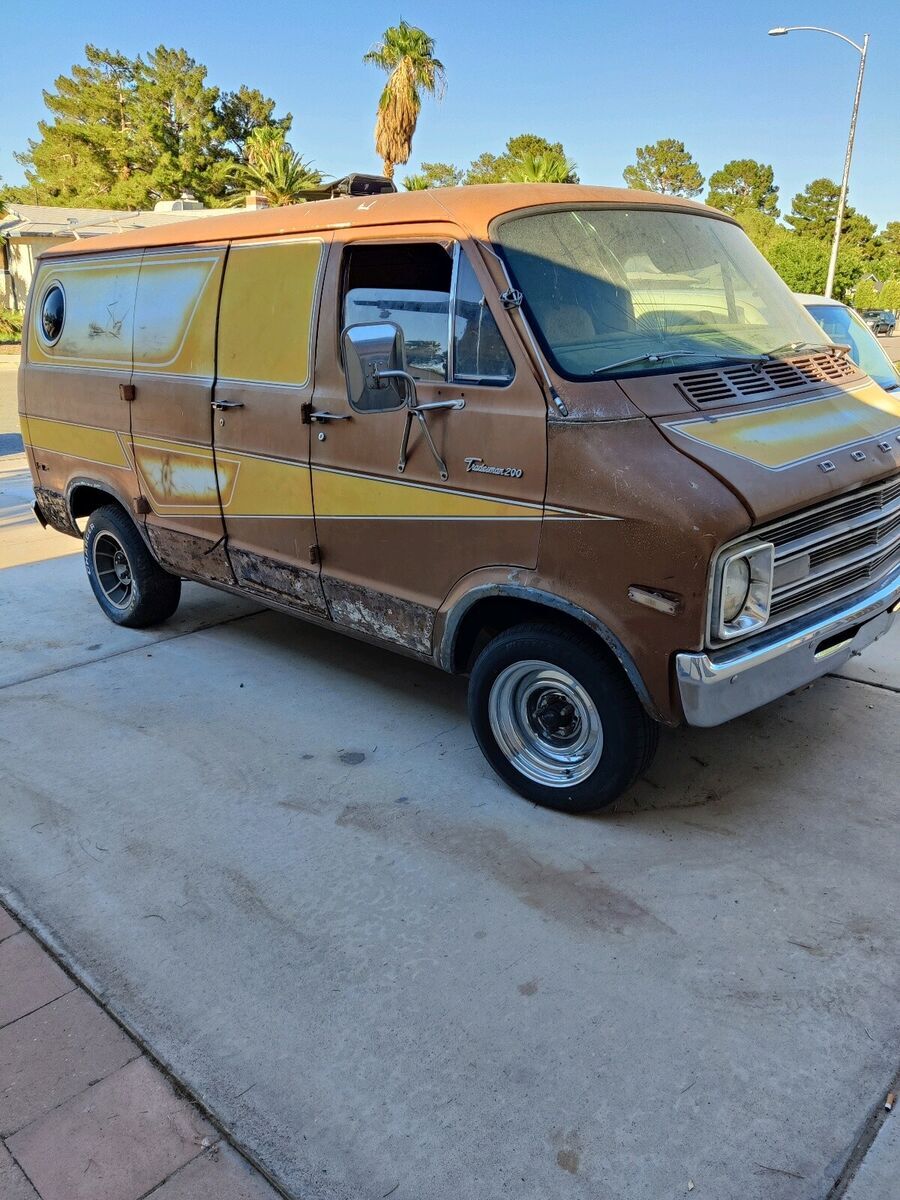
x,y
834,550
763,380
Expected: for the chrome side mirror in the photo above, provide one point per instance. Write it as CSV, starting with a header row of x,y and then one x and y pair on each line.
x,y
375,368
378,381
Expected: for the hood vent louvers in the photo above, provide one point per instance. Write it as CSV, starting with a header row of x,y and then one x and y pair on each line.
x,y
733,384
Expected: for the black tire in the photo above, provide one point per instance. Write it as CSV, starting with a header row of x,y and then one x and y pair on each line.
x,y
512,664
129,584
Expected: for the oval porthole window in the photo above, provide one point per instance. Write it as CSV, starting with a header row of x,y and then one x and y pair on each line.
x,y
53,313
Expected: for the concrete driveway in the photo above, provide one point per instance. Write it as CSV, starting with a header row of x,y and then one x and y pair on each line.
x,y
278,855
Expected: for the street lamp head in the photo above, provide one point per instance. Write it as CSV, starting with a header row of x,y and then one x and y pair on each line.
x,y
778,31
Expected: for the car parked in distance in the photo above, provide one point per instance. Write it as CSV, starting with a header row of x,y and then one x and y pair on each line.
x,y
846,327
879,320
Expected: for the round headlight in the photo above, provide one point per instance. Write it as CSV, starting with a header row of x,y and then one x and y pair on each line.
x,y
735,589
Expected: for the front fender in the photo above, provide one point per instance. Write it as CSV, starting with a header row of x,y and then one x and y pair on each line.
x,y
514,584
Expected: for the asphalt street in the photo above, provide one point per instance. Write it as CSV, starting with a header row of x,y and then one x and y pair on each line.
x,y
278,856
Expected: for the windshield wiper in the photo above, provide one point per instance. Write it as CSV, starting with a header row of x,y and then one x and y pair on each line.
x,y
662,355
837,348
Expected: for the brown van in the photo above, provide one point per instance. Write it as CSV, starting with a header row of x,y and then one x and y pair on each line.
x,y
578,443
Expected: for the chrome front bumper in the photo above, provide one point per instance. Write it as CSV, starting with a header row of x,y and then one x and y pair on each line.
x,y
718,685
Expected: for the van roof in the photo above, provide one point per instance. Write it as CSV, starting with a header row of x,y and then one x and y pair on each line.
x,y
471,207
810,298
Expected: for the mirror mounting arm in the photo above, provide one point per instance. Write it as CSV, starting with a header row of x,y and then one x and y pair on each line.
x,y
414,409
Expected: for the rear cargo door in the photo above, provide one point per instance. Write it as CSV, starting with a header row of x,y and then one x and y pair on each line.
x,y
265,376
171,418
76,423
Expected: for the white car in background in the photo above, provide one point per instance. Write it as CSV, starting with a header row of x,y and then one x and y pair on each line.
x,y
845,326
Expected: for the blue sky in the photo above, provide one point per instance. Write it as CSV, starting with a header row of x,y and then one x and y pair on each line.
x,y
603,78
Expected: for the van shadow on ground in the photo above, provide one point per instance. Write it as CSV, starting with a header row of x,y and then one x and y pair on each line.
x,y
693,767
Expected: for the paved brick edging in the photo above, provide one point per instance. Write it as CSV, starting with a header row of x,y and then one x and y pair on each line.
x,y
85,1112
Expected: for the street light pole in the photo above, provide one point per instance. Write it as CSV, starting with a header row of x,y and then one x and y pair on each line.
x,y
845,180
842,202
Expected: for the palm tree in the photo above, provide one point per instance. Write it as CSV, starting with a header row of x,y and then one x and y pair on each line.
x,y
262,141
541,168
281,175
407,55
273,168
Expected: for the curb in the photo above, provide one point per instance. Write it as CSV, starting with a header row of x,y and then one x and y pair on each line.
x,y
53,945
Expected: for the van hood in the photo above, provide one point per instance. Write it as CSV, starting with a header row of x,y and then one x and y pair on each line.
x,y
788,455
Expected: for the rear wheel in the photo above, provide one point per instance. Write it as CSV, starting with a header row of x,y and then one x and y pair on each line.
x,y
129,584
557,719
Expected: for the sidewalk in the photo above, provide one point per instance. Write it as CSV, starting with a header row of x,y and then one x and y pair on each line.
x,y
84,1114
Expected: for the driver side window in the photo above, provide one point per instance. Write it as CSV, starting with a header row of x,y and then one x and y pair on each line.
x,y
409,285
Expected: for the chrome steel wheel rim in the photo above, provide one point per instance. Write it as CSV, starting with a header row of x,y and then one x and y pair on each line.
x,y
112,570
545,723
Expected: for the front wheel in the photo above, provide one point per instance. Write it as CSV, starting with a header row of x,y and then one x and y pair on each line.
x,y
129,584
557,719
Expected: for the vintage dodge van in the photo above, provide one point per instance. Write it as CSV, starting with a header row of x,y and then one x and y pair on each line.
x,y
580,444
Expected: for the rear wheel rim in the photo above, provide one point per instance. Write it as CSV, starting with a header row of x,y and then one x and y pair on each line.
x,y
545,723
112,570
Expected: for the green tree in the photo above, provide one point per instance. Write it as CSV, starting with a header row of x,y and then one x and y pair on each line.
x,y
814,212
124,132
279,173
524,148
667,167
86,154
406,53
181,130
246,110
763,231
433,175
889,296
802,262
744,184
865,296
890,237
262,142
887,254
542,168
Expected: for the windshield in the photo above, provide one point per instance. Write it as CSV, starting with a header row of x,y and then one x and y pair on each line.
x,y
844,326
607,285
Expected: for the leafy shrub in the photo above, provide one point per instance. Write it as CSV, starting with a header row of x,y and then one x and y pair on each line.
x,y
10,326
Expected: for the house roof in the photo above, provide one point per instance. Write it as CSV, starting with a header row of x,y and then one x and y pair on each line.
x,y
471,207
51,221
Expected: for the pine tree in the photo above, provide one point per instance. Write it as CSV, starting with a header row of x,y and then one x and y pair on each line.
x,y
665,166
744,184
814,212
124,133
433,175
86,155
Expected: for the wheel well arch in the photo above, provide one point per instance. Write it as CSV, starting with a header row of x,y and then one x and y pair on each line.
x,y
86,496
491,610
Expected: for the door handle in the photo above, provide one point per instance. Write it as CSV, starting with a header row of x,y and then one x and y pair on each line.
x,y
308,415
223,404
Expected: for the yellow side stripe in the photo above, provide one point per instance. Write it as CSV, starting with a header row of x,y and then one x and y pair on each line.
x,y
80,441
343,495
182,479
